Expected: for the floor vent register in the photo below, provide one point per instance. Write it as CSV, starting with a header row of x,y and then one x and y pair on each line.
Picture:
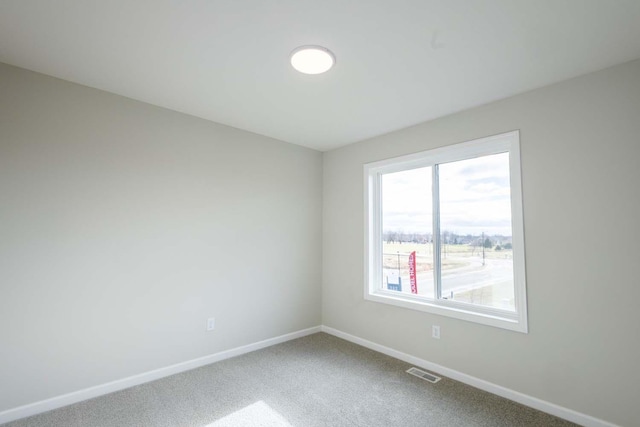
x,y
424,375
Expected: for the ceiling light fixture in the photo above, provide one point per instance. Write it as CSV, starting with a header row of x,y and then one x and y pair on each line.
x,y
312,59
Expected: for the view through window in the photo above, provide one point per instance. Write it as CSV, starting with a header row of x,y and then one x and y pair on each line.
x,y
476,250
445,231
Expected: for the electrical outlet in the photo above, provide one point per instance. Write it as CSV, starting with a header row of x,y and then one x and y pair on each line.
x,y
435,332
211,323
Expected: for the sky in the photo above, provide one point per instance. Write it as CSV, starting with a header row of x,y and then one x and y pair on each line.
x,y
475,197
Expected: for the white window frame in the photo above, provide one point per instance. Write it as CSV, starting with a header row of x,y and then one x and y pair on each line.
x,y
507,142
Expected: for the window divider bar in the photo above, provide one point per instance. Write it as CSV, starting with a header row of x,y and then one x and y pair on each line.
x,y
435,200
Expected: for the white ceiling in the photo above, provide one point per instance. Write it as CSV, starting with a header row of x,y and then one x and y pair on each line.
x,y
398,62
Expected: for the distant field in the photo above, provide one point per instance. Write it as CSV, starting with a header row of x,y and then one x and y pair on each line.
x,y
456,259
453,256
456,251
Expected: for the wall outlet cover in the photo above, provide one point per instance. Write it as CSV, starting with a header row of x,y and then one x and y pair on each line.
x,y
211,324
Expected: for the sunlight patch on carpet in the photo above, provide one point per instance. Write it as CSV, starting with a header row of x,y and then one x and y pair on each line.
x,y
258,414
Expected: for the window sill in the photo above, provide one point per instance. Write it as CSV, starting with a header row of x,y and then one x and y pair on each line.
x,y
495,318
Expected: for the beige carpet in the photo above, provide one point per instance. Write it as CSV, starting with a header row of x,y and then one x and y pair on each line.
x,y
319,380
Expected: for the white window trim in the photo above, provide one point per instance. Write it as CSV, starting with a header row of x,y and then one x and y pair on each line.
x,y
373,233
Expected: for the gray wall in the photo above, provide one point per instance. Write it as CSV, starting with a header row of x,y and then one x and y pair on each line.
x,y
580,143
124,226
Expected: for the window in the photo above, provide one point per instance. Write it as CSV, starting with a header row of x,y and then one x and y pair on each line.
x,y
445,232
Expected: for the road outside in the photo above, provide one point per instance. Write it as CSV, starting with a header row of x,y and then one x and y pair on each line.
x,y
464,277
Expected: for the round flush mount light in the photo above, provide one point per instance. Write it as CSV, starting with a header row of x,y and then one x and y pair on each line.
x,y
312,59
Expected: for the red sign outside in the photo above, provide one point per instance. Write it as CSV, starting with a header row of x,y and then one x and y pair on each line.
x,y
412,273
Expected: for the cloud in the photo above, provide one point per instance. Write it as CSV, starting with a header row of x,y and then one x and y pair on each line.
x,y
475,197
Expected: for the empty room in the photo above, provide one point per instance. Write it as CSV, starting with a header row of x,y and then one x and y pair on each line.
x,y
333,213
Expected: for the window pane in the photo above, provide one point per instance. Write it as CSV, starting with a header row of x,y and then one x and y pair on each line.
x,y
475,227
407,227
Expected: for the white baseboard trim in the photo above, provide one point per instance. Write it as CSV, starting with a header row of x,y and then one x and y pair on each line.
x,y
110,387
533,402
